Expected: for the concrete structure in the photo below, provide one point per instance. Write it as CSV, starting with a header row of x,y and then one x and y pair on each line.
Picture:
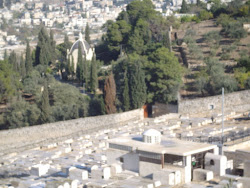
x,y
202,175
149,158
247,168
216,163
87,51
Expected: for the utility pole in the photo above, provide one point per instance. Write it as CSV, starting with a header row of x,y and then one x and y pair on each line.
x,y
222,129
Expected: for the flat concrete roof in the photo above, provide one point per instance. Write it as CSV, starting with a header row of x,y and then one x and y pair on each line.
x,y
167,145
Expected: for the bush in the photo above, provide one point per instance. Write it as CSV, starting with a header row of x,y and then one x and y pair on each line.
x,y
234,30
205,15
186,19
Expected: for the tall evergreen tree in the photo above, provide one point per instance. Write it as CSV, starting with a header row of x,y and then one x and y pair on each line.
x,y
43,49
184,7
73,68
138,94
125,95
198,3
85,72
22,67
5,56
79,68
87,34
66,42
110,94
28,59
45,106
13,61
93,76
53,46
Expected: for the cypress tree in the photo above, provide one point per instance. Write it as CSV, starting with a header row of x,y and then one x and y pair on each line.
x,y
68,68
79,68
93,76
13,61
45,106
53,46
102,105
137,84
198,3
85,72
28,60
66,42
22,69
110,94
43,56
87,34
5,57
43,49
73,69
184,7
125,95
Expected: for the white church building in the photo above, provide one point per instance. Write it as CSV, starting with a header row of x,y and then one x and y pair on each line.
x,y
87,51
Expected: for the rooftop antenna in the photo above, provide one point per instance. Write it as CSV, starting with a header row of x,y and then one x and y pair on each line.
x,y
222,129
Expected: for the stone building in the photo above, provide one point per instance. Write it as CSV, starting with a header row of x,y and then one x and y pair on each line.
x,y
87,51
152,155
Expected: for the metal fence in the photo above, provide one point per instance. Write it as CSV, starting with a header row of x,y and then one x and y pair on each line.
x,y
230,138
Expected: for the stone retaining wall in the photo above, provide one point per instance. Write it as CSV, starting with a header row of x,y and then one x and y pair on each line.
x,y
236,101
14,140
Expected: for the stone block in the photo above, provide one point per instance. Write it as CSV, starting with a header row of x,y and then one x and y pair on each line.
x,y
202,175
245,182
116,168
157,183
237,185
78,174
39,169
75,183
101,173
165,177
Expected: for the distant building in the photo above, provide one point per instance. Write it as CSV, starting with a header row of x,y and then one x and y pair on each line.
x,y
87,51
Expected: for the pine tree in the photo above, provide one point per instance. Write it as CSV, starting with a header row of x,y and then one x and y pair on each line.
x,y
22,69
28,60
184,7
45,106
13,61
167,41
87,34
137,84
79,68
125,95
110,94
93,76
